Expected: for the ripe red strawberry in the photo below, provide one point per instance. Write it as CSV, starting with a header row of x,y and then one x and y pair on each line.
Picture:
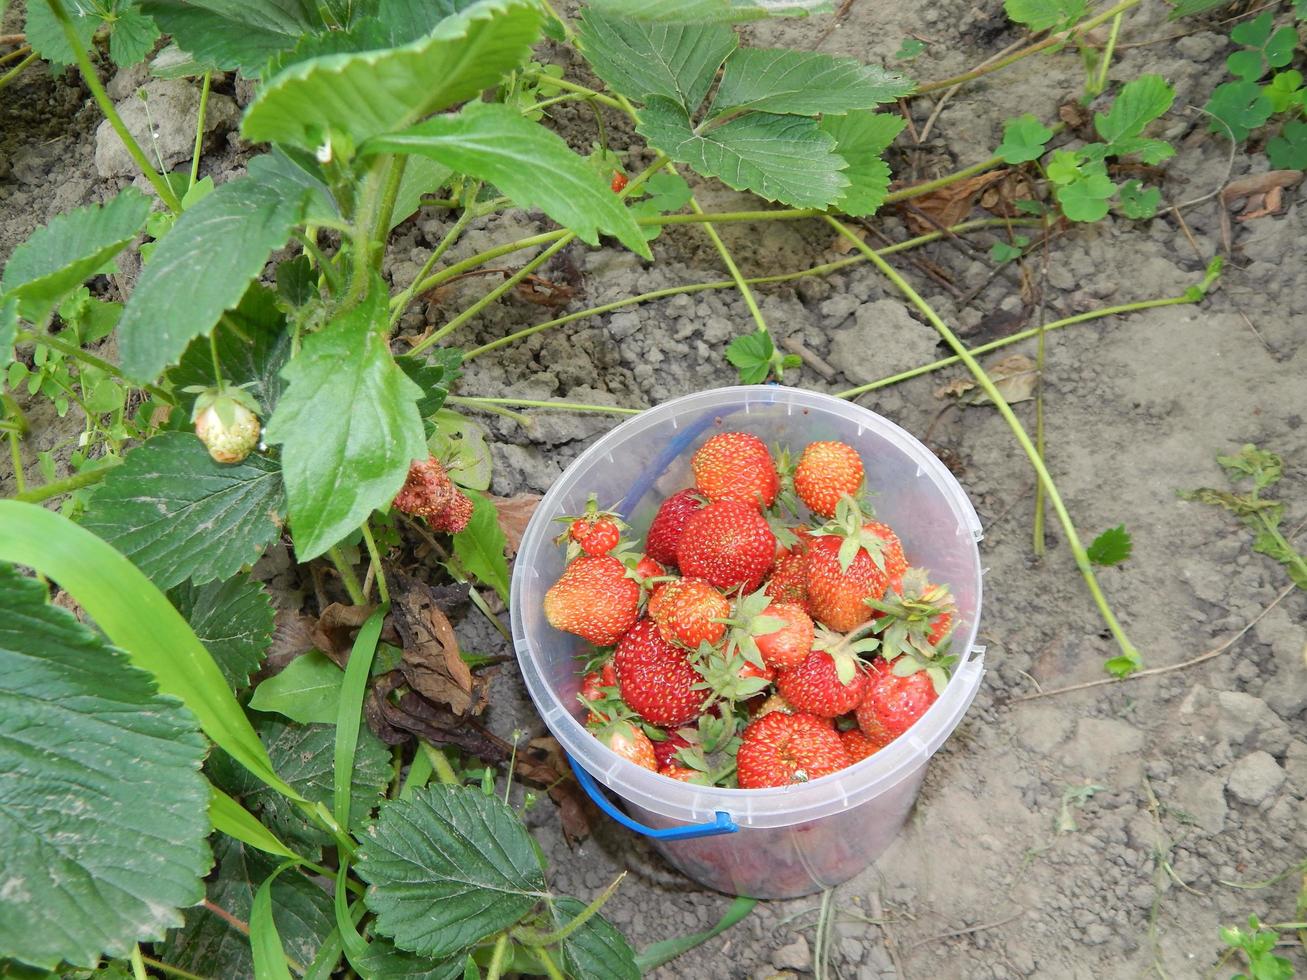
x,y
680,773
646,567
729,544
779,749
630,743
656,678
850,561
595,599
688,611
666,749
429,492
857,745
665,530
789,578
893,702
595,536
790,645
752,670
592,692
736,466
826,472
815,686
619,182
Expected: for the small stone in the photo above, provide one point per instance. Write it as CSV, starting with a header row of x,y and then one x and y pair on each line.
x,y
795,956
1295,764
163,123
1202,797
1254,778
1100,744
1248,721
882,340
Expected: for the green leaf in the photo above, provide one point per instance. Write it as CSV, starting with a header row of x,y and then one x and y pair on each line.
x,y
1139,202
253,357
1241,106
1039,15
304,754
234,621
1187,8
56,258
596,949
365,94
47,38
137,617
177,514
709,11
1150,151
1254,33
479,547
667,193
132,37
660,953
1284,90
779,158
752,354
211,947
230,818
860,138
353,689
1085,199
434,377
1288,151
1063,167
1279,50
265,944
498,145
803,83
1001,251
104,808
1111,547
203,266
8,330
1248,65
307,690
909,49
639,59
1024,139
348,426
434,885
422,176
229,34
1137,104
383,961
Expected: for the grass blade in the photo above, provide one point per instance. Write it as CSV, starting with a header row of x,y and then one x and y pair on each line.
x,y
265,941
350,712
656,954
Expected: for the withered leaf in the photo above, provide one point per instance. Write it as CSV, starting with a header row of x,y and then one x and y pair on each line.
x,y
1259,184
950,204
514,515
1262,205
1014,376
334,631
432,663
544,292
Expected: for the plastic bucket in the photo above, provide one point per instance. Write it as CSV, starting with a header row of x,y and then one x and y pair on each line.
x,y
767,843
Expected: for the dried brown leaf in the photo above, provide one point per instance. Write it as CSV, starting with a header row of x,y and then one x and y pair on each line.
x,y
951,203
333,633
432,665
514,514
1262,205
1259,184
544,292
1014,377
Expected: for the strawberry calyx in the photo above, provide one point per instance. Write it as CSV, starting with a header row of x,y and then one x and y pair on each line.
x,y
713,743
939,669
913,615
850,524
595,532
729,674
846,650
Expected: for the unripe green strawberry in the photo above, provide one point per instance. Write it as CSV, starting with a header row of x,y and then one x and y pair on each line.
x,y
227,422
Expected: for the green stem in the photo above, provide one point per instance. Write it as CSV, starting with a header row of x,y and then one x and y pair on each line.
x,y
18,54
419,774
533,938
731,267
67,485
527,403
400,303
381,229
161,186
138,965
86,357
496,966
16,457
582,90
930,186
347,576
944,362
168,968
375,556
444,771
17,70
495,293
320,259
547,961
1129,661
816,270
1101,82
361,235
199,127
1048,42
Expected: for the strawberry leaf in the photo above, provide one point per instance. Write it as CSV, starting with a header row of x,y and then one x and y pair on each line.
x,y
1039,15
479,547
1111,547
1139,202
804,83
229,34
1024,139
1137,104
708,11
234,621
596,948
860,138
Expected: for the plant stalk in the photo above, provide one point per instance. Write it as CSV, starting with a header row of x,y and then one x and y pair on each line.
x,y
375,556
160,185
1129,660
381,229
532,938
444,771
400,303
17,70
527,403
199,128
171,970
68,484
585,92
496,967
1101,82
347,576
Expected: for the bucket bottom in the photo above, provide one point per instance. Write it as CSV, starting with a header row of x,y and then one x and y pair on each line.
x,y
786,862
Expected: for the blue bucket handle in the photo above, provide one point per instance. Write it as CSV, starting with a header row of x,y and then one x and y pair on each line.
x,y
723,824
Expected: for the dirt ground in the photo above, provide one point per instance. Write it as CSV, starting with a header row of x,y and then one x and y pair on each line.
x,y
1201,772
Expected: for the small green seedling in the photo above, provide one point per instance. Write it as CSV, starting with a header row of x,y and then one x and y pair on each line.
x,y
1257,946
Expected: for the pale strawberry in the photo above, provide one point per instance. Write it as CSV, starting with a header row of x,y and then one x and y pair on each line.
x,y
689,611
595,599
826,472
630,743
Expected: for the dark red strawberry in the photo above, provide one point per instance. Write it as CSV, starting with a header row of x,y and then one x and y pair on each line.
x,y
595,599
689,611
778,749
666,749
656,678
665,531
736,466
596,537
826,472
815,686
893,701
728,544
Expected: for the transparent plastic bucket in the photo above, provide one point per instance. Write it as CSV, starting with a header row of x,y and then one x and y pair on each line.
x,y
766,843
